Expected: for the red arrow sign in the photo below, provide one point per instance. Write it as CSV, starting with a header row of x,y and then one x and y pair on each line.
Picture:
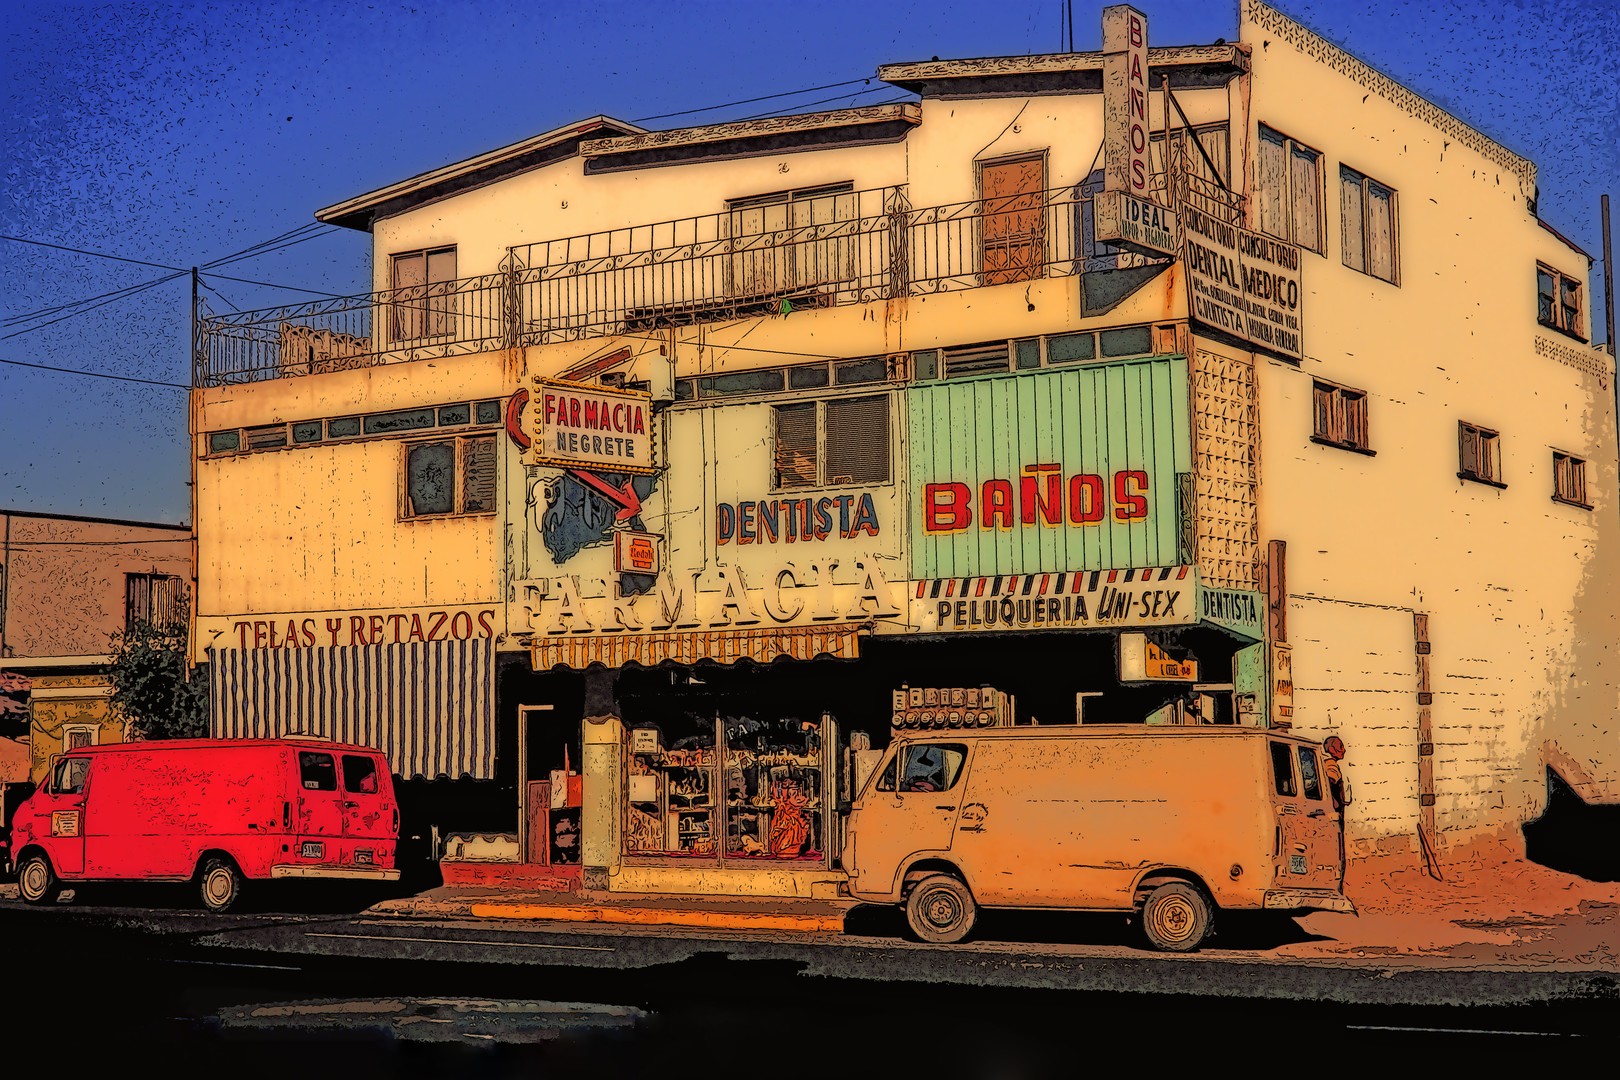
x,y
625,498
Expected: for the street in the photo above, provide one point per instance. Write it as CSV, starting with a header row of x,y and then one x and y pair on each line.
x,y
428,997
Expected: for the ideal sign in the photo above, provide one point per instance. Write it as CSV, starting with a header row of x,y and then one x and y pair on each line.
x,y
1242,283
582,426
1125,100
1140,660
1135,222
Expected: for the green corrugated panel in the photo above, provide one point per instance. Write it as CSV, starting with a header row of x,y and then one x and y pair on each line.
x,y
1100,419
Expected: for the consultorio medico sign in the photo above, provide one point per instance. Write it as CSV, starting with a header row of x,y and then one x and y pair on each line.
x,y
1242,283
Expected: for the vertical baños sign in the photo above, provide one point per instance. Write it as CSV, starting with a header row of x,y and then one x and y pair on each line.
x,y
1125,100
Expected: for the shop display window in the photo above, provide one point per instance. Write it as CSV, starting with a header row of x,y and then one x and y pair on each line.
x,y
743,790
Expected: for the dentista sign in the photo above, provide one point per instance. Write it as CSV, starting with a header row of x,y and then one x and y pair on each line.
x,y
793,594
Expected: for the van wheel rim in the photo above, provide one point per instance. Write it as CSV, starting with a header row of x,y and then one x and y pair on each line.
x,y
33,879
941,909
1173,918
219,886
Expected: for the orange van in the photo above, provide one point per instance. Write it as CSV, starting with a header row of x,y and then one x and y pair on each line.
x,y
1170,825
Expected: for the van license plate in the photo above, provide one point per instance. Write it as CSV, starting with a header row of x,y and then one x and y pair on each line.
x,y
1296,864
363,858
314,850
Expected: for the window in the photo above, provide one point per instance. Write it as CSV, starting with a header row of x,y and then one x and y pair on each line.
x,y
450,476
359,774
834,442
1339,417
1290,190
929,767
1558,301
316,771
154,599
1479,454
70,775
424,301
1282,769
1569,479
1310,777
75,736
779,251
1367,225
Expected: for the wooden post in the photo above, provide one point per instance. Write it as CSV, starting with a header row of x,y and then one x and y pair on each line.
x,y
1425,734
1277,590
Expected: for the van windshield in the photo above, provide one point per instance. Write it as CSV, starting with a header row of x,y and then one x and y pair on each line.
x,y
925,767
70,776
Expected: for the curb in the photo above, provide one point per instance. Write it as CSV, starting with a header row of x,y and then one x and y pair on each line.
x,y
620,914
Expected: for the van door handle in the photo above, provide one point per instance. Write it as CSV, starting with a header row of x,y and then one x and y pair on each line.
x,y
944,808
1316,813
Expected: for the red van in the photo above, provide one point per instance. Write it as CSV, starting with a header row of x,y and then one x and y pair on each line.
x,y
218,812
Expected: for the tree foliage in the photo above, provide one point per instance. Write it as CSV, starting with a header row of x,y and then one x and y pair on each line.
x,y
152,686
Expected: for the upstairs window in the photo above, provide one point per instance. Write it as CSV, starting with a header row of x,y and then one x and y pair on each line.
x,y
450,477
423,303
1569,479
1558,301
1367,226
153,599
1290,190
840,441
1339,417
1479,454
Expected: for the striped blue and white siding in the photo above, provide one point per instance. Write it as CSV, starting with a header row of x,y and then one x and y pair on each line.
x,y
430,706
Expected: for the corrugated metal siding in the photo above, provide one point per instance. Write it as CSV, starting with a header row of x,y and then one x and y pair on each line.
x,y
1100,419
430,706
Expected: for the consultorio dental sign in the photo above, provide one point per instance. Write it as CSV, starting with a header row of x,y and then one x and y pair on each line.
x,y
802,593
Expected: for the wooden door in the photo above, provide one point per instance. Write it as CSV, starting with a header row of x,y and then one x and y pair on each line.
x,y
1014,233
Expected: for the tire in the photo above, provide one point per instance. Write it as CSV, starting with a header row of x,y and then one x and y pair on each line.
x,y
37,883
1176,917
220,884
940,910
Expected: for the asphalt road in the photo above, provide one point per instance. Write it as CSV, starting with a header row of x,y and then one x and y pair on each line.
x,y
331,991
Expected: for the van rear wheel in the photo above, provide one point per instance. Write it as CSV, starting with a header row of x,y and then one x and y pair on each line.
x,y
940,910
36,881
221,885
1176,917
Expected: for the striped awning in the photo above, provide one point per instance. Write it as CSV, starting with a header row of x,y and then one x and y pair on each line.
x,y
687,647
429,706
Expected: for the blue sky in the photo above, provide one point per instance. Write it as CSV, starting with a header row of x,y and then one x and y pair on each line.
x,y
179,133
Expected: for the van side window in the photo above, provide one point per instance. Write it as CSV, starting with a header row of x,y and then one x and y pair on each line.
x,y
1282,769
931,767
70,776
1308,776
885,781
317,771
359,774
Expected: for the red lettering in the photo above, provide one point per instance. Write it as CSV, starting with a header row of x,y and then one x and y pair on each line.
x,y
640,427
1130,487
1136,77
486,623
416,627
590,415
436,623
241,628
945,508
357,630
376,629
258,635
292,635
995,505
309,632
1135,29
573,413
274,644
1030,501
1138,176
332,627
1086,502
396,620
461,626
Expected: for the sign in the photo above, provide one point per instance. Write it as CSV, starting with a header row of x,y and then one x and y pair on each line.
x,y
590,427
923,707
1140,660
788,521
1044,496
1135,222
635,552
1242,283
1071,601
1282,685
1125,100
334,628
1238,610
64,823
796,593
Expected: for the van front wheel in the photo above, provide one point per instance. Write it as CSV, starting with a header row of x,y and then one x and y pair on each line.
x,y
37,882
221,885
940,910
1176,917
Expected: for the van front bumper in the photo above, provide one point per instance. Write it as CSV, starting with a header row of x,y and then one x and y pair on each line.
x,y
1307,900
349,873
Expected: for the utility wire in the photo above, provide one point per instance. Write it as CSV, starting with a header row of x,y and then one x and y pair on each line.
x,y
42,312
273,285
823,101
266,250
97,254
265,243
125,293
96,374
750,101
217,293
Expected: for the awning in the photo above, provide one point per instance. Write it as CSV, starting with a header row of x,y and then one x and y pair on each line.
x,y
687,647
429,706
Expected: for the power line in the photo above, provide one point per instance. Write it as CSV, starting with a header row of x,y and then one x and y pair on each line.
x,y
823,101
97,254
95,374
750,101
122,294
264,243
265,250
42,312
217,293
273,285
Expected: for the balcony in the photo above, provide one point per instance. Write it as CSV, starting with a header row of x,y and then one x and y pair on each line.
x,y
838,248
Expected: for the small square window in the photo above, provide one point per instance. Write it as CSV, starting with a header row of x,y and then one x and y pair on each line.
x,y
451,415
223,442
807,377
1558,301
925,364
448,477
861,371
343,428
1070,348
1569,479
1027,353
489,412
267,438
1339,416
1128,341
1479,454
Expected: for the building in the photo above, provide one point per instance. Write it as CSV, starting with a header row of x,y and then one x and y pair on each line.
x,y
68,587
643,535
